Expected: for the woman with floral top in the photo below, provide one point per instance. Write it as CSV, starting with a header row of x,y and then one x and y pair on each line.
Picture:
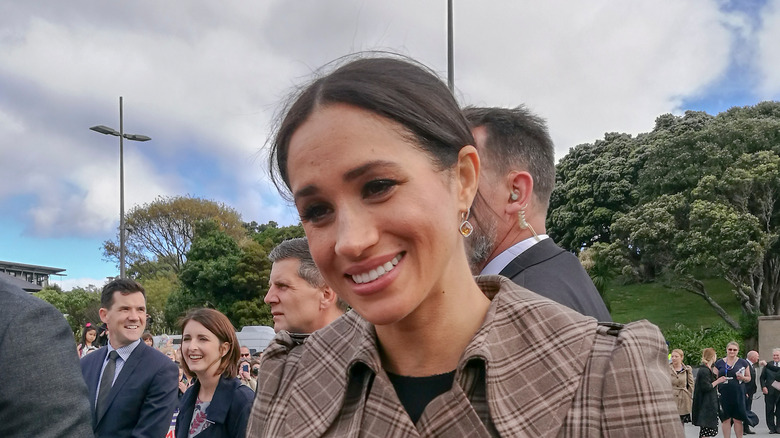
x,y
217,405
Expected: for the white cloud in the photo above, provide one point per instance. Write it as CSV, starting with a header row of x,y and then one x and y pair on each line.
x,y
591,67
71,283
768,56
208,82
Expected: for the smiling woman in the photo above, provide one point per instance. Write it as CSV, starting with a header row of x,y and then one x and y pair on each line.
x,y
379,162
217,405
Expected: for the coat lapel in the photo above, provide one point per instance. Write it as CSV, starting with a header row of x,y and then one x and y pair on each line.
x,y
221,401
186,408
531,380
93,373
534,255
313,411
127,369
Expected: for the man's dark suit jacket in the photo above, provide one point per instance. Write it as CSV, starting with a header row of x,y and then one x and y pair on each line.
x,y
33,403
143,398
769,375
751,387
557,274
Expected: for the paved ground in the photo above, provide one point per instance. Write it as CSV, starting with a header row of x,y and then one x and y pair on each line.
x,y
761,430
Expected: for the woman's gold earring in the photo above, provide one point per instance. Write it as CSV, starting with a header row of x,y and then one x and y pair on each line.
x,y
465,226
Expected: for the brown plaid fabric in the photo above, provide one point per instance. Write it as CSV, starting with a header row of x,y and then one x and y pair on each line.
x,y
534,369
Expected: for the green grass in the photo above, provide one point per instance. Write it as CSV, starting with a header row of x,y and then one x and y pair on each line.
x,y
666,307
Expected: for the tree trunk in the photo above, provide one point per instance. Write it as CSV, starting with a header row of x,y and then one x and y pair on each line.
x,y
697,287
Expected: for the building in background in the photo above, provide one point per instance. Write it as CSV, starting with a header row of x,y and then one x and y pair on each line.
x,y
31,278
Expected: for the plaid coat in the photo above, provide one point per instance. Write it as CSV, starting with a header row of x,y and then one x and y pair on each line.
x,y
535,368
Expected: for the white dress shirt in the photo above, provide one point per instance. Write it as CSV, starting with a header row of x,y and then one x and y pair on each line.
x,y
495,266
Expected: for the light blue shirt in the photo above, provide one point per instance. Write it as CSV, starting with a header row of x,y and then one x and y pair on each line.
x,y
495,266
124,354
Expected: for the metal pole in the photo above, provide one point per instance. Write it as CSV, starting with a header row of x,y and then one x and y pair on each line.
x,y
121,194
450,57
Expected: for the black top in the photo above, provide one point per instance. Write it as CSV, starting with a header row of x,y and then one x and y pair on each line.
x,y
416,392
704,411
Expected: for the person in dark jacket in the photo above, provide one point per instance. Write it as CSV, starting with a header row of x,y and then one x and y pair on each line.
x,y
751,387
772,400
516,179
217,405
705,398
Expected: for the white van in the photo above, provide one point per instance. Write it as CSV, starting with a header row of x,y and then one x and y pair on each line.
x,y
255,337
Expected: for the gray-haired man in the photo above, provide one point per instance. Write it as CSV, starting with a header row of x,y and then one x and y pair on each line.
x,y
300,300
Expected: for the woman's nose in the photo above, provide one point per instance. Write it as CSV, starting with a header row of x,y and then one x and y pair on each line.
x,y
356,231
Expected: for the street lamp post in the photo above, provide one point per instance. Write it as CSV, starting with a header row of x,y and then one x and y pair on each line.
x,y
135,137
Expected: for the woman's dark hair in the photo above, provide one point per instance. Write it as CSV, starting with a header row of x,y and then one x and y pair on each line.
x,y
396,88
87,328
219,324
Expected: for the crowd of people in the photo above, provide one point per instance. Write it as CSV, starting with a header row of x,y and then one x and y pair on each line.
x,y
428,222
721,394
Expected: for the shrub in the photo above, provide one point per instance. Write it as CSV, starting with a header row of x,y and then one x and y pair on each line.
x,y
693,341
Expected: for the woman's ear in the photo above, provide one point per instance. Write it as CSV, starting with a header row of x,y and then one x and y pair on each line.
x,y
223,349
467,175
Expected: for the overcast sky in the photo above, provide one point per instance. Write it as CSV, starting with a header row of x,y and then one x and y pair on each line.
x,y
204,80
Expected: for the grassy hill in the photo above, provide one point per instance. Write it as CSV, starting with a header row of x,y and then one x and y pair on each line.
x,y
666,307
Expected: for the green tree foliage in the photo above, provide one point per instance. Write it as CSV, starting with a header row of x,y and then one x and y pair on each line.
x,y
160,232
702,202
693,341
159,287
594,182
269,235
596,261
80,305
229,274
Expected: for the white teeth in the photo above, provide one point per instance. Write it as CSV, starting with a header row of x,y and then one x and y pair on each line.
x,y
377,272
195,357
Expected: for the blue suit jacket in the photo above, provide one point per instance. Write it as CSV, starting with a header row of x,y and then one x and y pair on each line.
x,y
229,410
143,398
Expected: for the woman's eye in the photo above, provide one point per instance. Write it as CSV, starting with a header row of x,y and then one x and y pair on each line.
x,y
314,213
378,187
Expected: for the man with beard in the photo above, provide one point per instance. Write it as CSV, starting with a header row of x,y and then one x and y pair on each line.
x,y
515,183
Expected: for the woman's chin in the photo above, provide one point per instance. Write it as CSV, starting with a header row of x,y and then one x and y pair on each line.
x,y
381,316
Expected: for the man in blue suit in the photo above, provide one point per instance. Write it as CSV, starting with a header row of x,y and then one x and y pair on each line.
x,y
132,387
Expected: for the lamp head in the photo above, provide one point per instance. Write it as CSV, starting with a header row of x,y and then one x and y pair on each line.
x,y
104,130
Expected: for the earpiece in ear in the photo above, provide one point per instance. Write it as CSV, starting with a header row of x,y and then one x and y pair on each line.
x,y
513,196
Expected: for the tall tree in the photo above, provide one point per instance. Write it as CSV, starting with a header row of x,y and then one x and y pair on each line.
x,y
161,231
229,275
80,305
594,182
702,203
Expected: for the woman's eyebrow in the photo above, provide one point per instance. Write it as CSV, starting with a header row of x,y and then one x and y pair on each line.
x,y
351,175
364,168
